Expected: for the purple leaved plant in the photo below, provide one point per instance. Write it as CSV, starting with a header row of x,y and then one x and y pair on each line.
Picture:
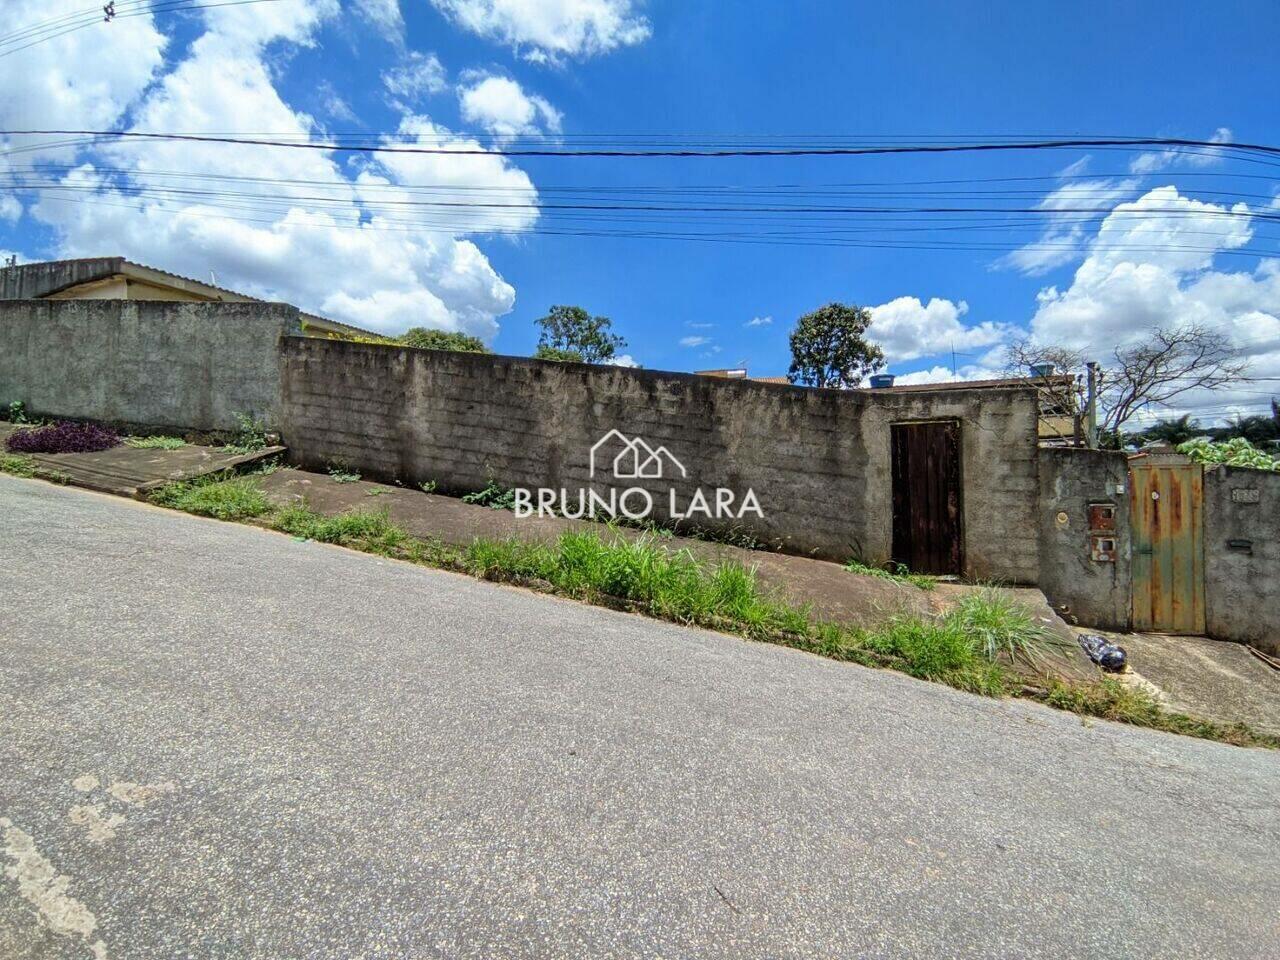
x,y
64,436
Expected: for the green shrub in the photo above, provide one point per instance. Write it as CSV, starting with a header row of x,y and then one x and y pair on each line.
x,y
423,338
493,495
224,496
1236,452
251,435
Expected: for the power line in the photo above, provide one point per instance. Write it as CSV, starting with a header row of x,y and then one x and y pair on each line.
x,y
823,151
44,173
393,226
54,23
687,209
159,6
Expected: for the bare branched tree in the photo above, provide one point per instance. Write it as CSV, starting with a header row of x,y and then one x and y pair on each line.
x,y
1023,357
1166,364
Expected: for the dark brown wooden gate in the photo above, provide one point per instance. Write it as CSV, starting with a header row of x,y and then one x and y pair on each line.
x,y
927,534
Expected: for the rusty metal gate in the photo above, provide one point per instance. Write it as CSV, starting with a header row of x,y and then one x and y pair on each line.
x,y
1168,547
927,535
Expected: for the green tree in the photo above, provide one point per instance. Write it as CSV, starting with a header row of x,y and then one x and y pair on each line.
x,y
425,339
829,347
1256,429
571,333
555,353
1173,431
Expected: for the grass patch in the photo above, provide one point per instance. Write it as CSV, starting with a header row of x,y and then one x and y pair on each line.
x,y
155,443
641,575
1110,699
21,465
223,496
368,530
341,474
896,572
17,465
1002,628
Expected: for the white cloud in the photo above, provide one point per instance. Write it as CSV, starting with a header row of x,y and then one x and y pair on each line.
x,y
500,106
1065,232
444,173
940,374
246,28
691,342
417,76
758,322
907,329
622,360
550,30
1076,167
1151,266
1188,156
385,17
334,103
78,79
358,257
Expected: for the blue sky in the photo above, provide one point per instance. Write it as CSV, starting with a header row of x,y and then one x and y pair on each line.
x,y
552,72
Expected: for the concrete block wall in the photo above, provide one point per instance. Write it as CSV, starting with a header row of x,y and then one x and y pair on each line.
x,y
1242,555
818,460
1083,590
162,365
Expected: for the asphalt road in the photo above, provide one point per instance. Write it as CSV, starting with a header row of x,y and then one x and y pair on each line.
x,y
219,742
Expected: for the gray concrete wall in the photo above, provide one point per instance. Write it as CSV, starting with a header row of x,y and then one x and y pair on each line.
x,y
144,363
817,459
30,281
1242,580
1083,590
